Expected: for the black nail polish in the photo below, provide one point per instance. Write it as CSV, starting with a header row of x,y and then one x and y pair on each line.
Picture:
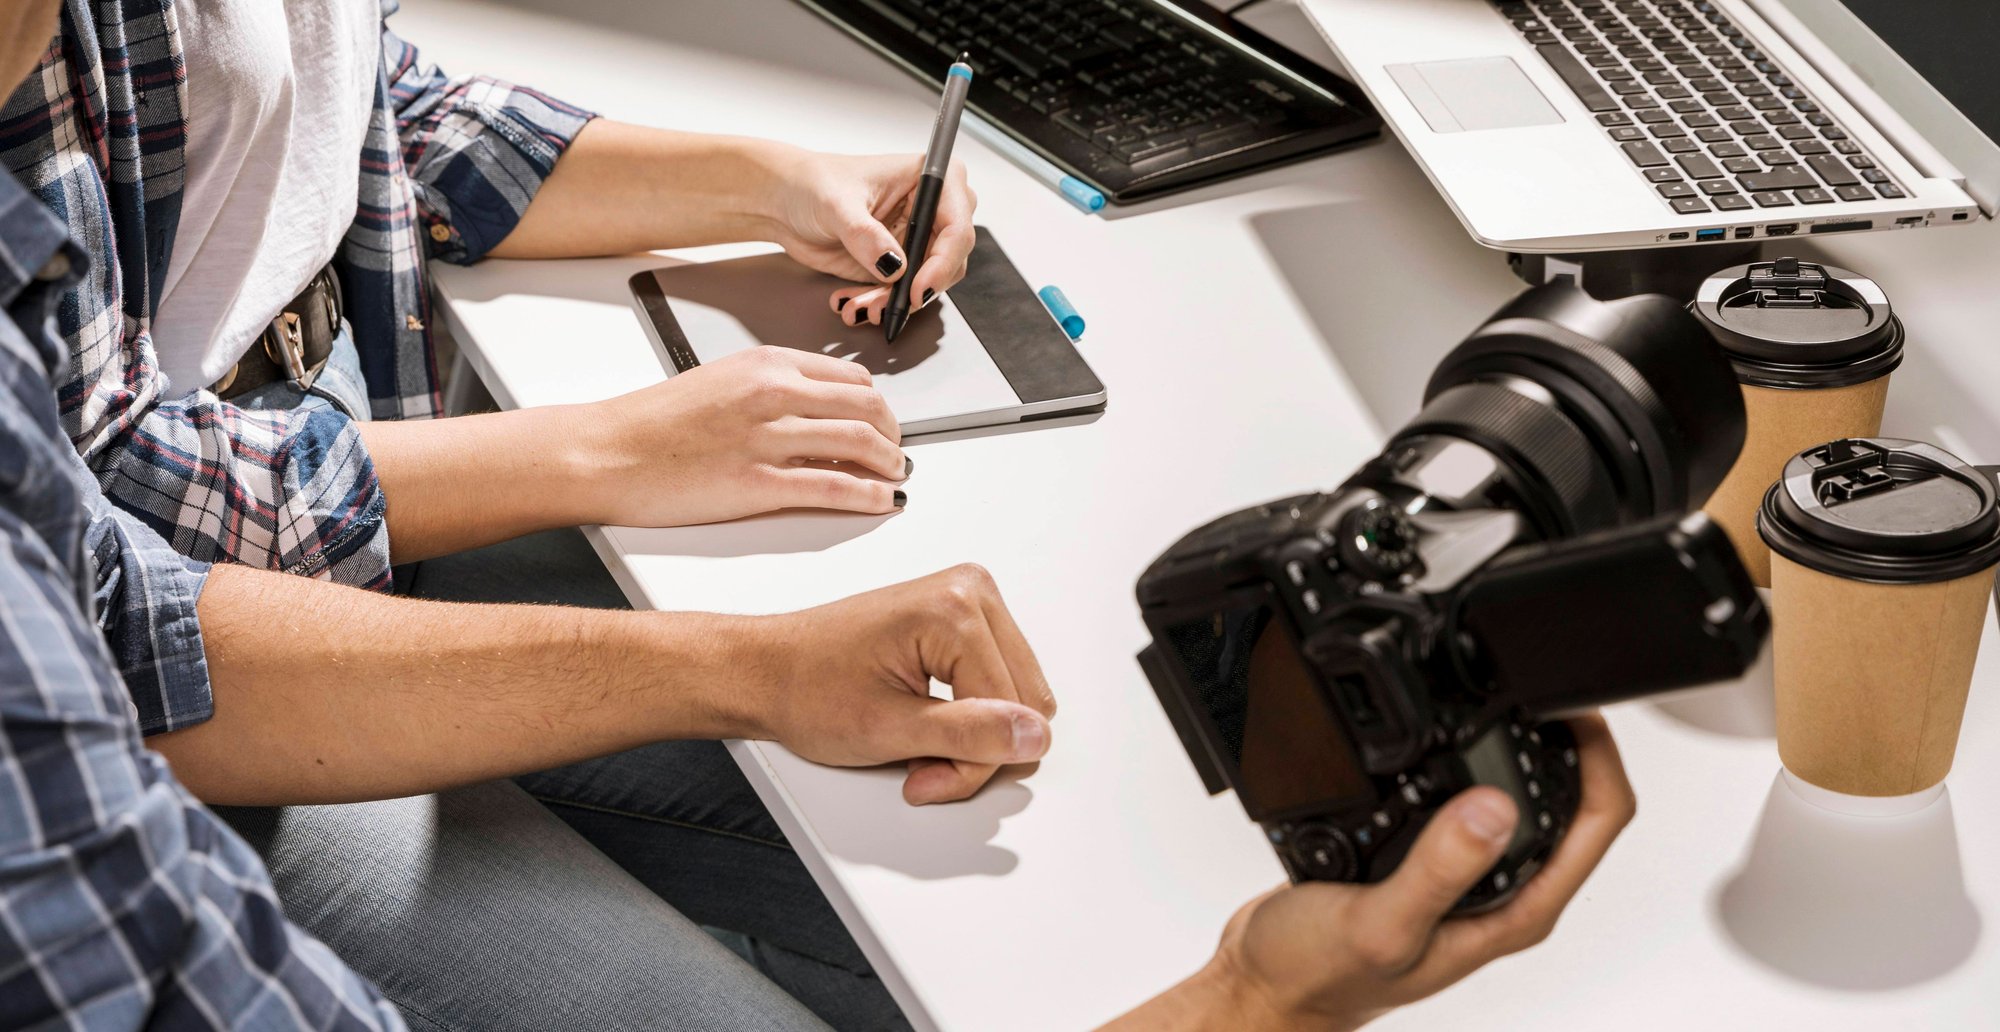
x,y
842,306
909,466
888,264
860,316
901,499
928,294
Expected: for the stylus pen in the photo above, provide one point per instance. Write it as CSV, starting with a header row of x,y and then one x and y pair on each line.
x,y
930,186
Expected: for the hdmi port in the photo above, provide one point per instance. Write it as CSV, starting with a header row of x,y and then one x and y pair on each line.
x,y
1781,229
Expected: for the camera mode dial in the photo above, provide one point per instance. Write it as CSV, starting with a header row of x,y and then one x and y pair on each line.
x,y
1322,852
1378,542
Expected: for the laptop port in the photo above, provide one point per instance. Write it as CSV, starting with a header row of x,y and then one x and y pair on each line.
x,y
1781,229
1682,235
1960,216
1708,234
1745,232
1910,220
1843,227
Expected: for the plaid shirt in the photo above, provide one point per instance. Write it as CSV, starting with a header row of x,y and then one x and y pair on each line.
x,y
99,133
123,903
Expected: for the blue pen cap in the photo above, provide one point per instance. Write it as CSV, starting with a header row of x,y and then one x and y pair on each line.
x,y
1064,312
1081,194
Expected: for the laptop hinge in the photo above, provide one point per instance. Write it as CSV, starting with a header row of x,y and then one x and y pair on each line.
x,y
1900,134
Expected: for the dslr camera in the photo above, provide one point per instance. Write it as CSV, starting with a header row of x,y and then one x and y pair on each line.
x,y
1349,660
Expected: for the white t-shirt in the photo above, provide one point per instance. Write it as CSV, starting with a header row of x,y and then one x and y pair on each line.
x,y
279,96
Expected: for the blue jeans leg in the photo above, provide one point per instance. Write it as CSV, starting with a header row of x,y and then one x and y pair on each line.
x,y
476,910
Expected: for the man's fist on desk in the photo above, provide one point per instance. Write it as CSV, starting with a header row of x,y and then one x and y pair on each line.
x,y
848,683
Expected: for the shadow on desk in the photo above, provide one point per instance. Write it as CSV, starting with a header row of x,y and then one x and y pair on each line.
x,y
952,840
1856,903
1389,287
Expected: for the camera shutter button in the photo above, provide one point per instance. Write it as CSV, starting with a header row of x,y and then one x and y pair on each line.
x,y
1323,853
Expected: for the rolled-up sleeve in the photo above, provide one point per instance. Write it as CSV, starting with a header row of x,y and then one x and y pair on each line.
x,y
145,595
476,148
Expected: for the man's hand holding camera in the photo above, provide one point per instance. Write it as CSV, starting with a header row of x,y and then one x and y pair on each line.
x,y
1324,955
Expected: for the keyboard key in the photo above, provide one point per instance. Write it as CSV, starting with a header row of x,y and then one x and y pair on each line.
x,y
1717,186
1643,153
1832,169
1833,134
1697,166
1699,120
1627,132
1778,157
1846,147
1689,205
1731,202
1717,135
1771,200
1679,145
1874,175
1654,117
1741,165
1795,132
1662,175
1889,190
1667,130
1611,118
1676,190
1853,193
1813,195
1861,161
1809,147
1763,143
1788,178
1727,150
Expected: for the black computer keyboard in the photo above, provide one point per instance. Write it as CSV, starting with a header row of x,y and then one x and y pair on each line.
x,y
1136,97
1714,123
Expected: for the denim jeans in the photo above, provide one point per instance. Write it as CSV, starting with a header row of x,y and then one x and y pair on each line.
x,y
649,889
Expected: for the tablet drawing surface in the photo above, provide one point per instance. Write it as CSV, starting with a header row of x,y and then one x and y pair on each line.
x,y
937,371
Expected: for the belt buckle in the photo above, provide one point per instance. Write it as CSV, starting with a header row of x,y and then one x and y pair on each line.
x,y
287,348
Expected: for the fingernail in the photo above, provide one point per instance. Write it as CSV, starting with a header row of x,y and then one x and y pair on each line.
x,y
860,316
909,466
888,264
900,499
1031,738
1488,816
928,294
842,306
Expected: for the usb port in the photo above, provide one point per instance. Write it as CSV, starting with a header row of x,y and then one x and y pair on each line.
x,y
1781,229
1910,220
1708,234
1681,235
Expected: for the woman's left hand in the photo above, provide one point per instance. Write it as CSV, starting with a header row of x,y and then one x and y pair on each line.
x,y
846,215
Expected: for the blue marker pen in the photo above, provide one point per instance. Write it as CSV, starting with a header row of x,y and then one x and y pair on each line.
x,y
1084,196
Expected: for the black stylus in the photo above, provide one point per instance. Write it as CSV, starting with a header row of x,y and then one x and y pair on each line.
x,y
930,186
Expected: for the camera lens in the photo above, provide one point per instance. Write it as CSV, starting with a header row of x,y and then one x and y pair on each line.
x,y
1614,411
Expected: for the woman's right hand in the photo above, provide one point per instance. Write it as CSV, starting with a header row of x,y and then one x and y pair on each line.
x,y
763,429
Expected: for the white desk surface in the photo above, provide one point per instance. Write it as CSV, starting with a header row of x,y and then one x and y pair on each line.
x,y
1255,338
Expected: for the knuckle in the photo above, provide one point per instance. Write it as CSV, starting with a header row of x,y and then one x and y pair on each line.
x,y
976,580
1384,954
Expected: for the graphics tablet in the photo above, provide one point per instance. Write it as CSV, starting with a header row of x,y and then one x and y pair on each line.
x,y
986,353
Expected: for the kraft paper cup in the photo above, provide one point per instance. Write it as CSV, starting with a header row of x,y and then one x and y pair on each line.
x,y
1813,346
1883,555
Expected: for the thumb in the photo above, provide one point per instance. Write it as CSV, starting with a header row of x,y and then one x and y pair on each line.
x,y
985,731
871,245
1394,920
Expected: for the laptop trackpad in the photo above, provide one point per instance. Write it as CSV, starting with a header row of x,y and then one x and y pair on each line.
x,y
1473,93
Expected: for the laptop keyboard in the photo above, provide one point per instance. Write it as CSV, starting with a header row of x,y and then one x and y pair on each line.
x,y
1712,122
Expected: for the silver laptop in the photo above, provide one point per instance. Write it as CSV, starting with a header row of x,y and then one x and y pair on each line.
x,y
1582,125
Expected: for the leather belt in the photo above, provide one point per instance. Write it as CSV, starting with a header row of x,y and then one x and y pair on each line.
x,y
295,346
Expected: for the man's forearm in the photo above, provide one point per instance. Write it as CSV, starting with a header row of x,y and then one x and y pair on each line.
x,y
331,694
621,188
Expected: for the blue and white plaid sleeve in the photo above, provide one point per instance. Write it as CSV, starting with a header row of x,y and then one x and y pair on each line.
x,y
477,148
145,595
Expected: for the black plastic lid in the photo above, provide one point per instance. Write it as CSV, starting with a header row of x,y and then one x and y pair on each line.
x,y
1884,510
1792,324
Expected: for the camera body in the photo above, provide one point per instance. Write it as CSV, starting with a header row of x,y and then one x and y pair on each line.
x,y
1348,661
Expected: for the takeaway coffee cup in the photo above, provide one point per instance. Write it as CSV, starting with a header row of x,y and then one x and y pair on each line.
x,y
1813,346
1882,560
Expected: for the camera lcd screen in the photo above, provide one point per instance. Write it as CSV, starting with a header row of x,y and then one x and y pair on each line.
x,y
1275,726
